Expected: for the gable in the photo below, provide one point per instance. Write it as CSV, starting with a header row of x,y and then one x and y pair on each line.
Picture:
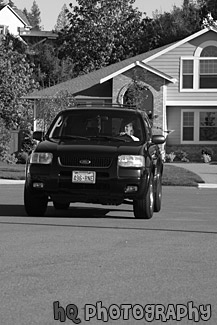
x,y
10,18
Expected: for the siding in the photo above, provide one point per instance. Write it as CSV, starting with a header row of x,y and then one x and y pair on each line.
x,y
174,123
170,63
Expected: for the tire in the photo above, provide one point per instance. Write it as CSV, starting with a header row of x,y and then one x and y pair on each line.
x,y
144,208
35,205
61,206
158,193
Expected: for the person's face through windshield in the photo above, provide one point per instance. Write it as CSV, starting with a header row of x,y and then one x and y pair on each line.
x,y
129,129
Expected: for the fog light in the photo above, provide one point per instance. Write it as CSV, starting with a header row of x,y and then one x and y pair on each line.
x,y
131,189
38,185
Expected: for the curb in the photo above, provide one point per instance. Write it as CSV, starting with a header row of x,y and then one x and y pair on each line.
x,y
17,182
11,181
207,185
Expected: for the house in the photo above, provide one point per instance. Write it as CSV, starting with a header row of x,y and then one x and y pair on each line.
x,y
14,21
11,20
180,88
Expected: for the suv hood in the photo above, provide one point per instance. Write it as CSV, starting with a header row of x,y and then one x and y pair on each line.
x,y
108,148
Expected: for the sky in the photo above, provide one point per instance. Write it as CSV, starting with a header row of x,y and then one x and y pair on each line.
x,y
50,9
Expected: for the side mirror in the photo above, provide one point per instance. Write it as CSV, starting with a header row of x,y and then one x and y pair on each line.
x,y
38,135
158,139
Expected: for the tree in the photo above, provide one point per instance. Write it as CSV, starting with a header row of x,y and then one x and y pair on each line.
x,y
49,69
62,19
3,3
207,8
11,4
33,16
170,27
100,33
47,107
16,80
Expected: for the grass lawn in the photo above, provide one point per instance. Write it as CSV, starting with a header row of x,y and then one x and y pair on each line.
x,y
173,175
178,176
8,171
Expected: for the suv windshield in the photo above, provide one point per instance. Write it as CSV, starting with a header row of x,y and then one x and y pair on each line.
x,y
106,125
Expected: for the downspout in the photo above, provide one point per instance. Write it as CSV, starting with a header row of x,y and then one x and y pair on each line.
x,y
34,116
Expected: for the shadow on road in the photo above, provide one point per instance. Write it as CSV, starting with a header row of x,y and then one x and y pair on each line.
x,y
72,212
76,212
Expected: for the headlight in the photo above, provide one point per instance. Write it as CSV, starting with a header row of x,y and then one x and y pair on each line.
x,y
131,161
41,158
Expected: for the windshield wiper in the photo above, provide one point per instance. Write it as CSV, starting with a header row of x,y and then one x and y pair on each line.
x,y
106,137
73,137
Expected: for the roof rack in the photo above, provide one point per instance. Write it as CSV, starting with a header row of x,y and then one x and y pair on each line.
x,y
105,105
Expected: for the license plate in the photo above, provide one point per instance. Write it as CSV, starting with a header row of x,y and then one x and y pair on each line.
x,y
83,177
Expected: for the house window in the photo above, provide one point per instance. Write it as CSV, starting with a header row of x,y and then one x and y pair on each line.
x,y
199,125
199,73
208,74
209,51
208,126
188,73
2,29
188,126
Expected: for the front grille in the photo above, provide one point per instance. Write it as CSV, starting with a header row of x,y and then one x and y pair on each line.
x,y
85,161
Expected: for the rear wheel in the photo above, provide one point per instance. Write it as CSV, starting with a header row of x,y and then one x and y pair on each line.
x,y
158,193
35,205
144,208
61,206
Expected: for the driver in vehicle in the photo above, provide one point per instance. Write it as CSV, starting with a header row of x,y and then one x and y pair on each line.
x,y
129,130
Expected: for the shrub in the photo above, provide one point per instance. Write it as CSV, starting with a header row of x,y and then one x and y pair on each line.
x,y
21,157
181,156
207,151
169,157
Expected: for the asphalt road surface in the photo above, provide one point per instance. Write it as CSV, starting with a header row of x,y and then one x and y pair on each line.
x,y
98,265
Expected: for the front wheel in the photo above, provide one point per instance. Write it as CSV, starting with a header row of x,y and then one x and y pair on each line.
x,y
144,208
158,193
35,205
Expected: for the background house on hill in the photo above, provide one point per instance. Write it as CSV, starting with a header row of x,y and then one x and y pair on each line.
x,y
180,88
15,22
11,20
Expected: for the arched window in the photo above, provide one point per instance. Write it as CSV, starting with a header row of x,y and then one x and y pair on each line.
x,y
208,68
210,51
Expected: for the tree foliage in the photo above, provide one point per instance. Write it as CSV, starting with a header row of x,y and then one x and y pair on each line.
x,y
62,19
34,16
48,108
100,33
172,26
16,80
49,69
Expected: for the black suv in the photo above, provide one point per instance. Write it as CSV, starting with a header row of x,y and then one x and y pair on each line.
x,y
102,155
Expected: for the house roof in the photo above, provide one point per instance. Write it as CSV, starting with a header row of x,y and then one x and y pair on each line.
x,y
21,15
88,80
83,82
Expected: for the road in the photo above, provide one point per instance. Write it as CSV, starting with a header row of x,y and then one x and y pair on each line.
x,y
94,261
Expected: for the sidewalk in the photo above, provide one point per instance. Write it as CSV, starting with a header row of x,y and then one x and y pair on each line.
x,y
208,172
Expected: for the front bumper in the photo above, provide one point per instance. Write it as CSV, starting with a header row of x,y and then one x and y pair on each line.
x,y
113,185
